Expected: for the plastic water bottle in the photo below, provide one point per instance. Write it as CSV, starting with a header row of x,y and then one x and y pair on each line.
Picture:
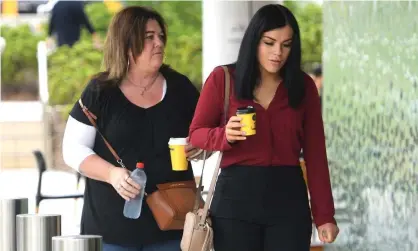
x,y
133,207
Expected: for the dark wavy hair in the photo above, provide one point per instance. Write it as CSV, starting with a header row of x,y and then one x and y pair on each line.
x,y
247,70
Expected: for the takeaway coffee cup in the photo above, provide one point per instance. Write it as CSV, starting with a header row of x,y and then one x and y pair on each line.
x,y
178,154
248,116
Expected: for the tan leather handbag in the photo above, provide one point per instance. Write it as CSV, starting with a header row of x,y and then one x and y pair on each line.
x,y
198,232
171,202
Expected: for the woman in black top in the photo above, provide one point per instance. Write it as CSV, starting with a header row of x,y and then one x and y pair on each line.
x,y
140,104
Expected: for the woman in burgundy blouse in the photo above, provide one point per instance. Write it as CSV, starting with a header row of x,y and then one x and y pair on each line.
x,y
261,200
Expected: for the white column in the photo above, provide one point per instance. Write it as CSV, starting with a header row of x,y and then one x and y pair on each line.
x,y
224,24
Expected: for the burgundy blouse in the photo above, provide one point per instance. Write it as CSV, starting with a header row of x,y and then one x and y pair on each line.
x,y
281,134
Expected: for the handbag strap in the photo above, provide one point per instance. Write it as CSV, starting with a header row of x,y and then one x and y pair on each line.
x,y
92,118
218,162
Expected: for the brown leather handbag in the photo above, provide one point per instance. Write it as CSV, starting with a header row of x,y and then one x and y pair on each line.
x,y
171,202
198,232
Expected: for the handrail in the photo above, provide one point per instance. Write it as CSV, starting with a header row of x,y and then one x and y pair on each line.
x,y
2,44
42,56
2,47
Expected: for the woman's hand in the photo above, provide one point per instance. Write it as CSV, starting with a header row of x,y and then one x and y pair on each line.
x,y
328,232
233,130
192,153
123,184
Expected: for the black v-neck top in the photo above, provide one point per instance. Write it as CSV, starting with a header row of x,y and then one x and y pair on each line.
x,y
137,134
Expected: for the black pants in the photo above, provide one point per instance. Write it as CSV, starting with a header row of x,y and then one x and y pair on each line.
x,y
261,209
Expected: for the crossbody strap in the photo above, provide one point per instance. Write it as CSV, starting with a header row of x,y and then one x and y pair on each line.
x,y
218,162
92,118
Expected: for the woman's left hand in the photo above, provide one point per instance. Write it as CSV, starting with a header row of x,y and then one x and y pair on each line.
x,y
191,151
328,232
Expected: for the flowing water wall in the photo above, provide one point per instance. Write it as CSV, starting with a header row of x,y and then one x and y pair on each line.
x,y
371,116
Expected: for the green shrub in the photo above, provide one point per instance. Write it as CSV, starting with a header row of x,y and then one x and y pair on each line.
x,y
70,69
309,17
99,17
19,63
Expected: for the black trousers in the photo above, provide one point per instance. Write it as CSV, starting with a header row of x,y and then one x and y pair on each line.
x,y
261,209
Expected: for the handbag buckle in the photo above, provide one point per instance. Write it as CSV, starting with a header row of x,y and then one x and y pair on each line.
x,y
121,163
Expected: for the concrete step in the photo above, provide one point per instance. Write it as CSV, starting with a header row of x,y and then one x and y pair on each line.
x,y
21,132
18,141
24,160
13,111
22,129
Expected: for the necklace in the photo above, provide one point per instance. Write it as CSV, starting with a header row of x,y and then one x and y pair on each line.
x,y
144,88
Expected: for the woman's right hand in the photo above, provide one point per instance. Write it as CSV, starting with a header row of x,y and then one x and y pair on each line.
x,y
233,130
120,179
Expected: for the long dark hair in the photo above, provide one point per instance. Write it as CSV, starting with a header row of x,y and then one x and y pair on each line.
x,y
247,72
